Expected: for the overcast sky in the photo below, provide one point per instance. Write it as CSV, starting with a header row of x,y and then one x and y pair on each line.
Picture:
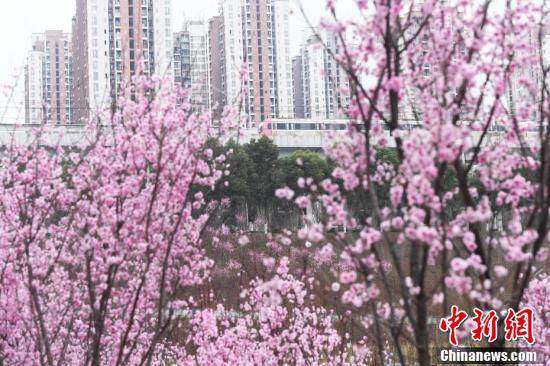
x,y
20,18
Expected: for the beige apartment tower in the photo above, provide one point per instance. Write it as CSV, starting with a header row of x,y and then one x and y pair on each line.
x,y
113,40
253,34
48,79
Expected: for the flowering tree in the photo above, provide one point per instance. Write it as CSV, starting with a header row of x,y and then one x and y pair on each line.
x,y
459,90
536,298
278,326
443,174
104,256
101,245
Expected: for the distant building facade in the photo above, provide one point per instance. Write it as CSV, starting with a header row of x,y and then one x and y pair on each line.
x,y
216,65
254,33
113,40
298,87
192,61
324,81
48,79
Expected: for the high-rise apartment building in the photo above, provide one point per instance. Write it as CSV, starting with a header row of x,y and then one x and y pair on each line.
x,y
113,40
182,57
192,61
298,87
283,61
48,79
518,93
254,34
215,46
323,79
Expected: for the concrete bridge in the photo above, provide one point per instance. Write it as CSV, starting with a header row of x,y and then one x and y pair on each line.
x,y
71,135
287,140
65,135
